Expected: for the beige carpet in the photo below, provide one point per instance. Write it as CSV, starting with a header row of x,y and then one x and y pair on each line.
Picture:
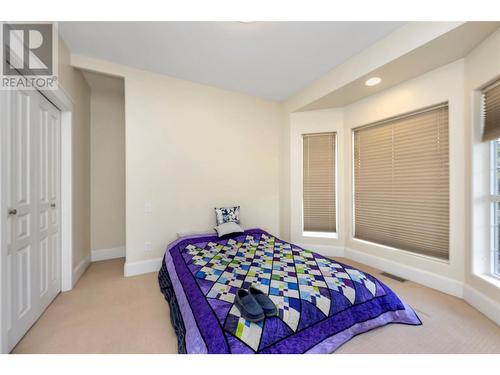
x,y
107,313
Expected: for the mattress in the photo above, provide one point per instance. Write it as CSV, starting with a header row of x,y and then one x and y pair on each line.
x,y
321,303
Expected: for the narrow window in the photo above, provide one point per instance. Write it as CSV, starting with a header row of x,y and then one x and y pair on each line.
x,y
319,184
495,207
401,182
491,133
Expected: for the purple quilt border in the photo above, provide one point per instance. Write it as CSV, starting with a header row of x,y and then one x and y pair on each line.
x,y
332,343
194,341
209,337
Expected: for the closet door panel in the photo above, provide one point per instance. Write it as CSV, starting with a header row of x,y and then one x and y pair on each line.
x,y
21,206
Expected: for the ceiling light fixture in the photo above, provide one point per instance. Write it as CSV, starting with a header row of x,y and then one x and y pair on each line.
x,y
373,81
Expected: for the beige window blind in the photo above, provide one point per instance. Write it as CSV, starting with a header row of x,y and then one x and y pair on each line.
x,y
401,185
491,108
319,182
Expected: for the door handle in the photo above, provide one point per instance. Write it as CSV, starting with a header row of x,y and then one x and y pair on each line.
x,y
12,211
53,205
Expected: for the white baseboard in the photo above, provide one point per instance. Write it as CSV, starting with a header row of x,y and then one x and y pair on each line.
x,y
79,269
143,266
104,254
429,279
325,250
483,303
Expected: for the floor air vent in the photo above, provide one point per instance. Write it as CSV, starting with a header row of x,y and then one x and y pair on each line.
x,y
394,277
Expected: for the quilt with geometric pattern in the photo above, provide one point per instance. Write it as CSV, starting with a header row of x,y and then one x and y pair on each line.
x,y
321,303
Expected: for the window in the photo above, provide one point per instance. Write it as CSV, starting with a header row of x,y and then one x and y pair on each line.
x,y
491,133
495,206
401,182
319,183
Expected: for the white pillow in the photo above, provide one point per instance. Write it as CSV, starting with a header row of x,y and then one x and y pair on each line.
x,y
228,228
185,234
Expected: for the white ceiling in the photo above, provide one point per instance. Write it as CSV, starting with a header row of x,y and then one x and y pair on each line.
x,y
443,50
272,60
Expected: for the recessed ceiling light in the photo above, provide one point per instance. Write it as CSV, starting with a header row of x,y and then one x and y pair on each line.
x,y
373,81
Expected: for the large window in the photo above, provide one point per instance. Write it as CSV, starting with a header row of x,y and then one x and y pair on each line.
x,y
401,182
491,133
319,184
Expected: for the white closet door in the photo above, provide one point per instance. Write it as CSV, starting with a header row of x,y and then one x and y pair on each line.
x,y
21,203
49,238
33,234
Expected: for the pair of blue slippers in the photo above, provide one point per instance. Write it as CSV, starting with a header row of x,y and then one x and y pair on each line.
x,y
254,304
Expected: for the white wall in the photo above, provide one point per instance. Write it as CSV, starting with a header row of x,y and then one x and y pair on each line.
x,y
107,144
190,148
75,85
285,179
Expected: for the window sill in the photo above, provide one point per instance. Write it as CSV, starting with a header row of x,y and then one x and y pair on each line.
x,y
490,279
320,235
400,251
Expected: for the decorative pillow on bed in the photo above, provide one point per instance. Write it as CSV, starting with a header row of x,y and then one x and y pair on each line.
x,y
228,228
227,214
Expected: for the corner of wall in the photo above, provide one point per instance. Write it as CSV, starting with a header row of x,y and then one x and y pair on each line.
x,y
284,216
76,86
80,269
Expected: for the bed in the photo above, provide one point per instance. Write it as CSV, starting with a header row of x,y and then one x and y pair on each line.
x,y
321,303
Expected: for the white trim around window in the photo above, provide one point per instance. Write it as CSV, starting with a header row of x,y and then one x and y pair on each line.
x,y
323,121
494,258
